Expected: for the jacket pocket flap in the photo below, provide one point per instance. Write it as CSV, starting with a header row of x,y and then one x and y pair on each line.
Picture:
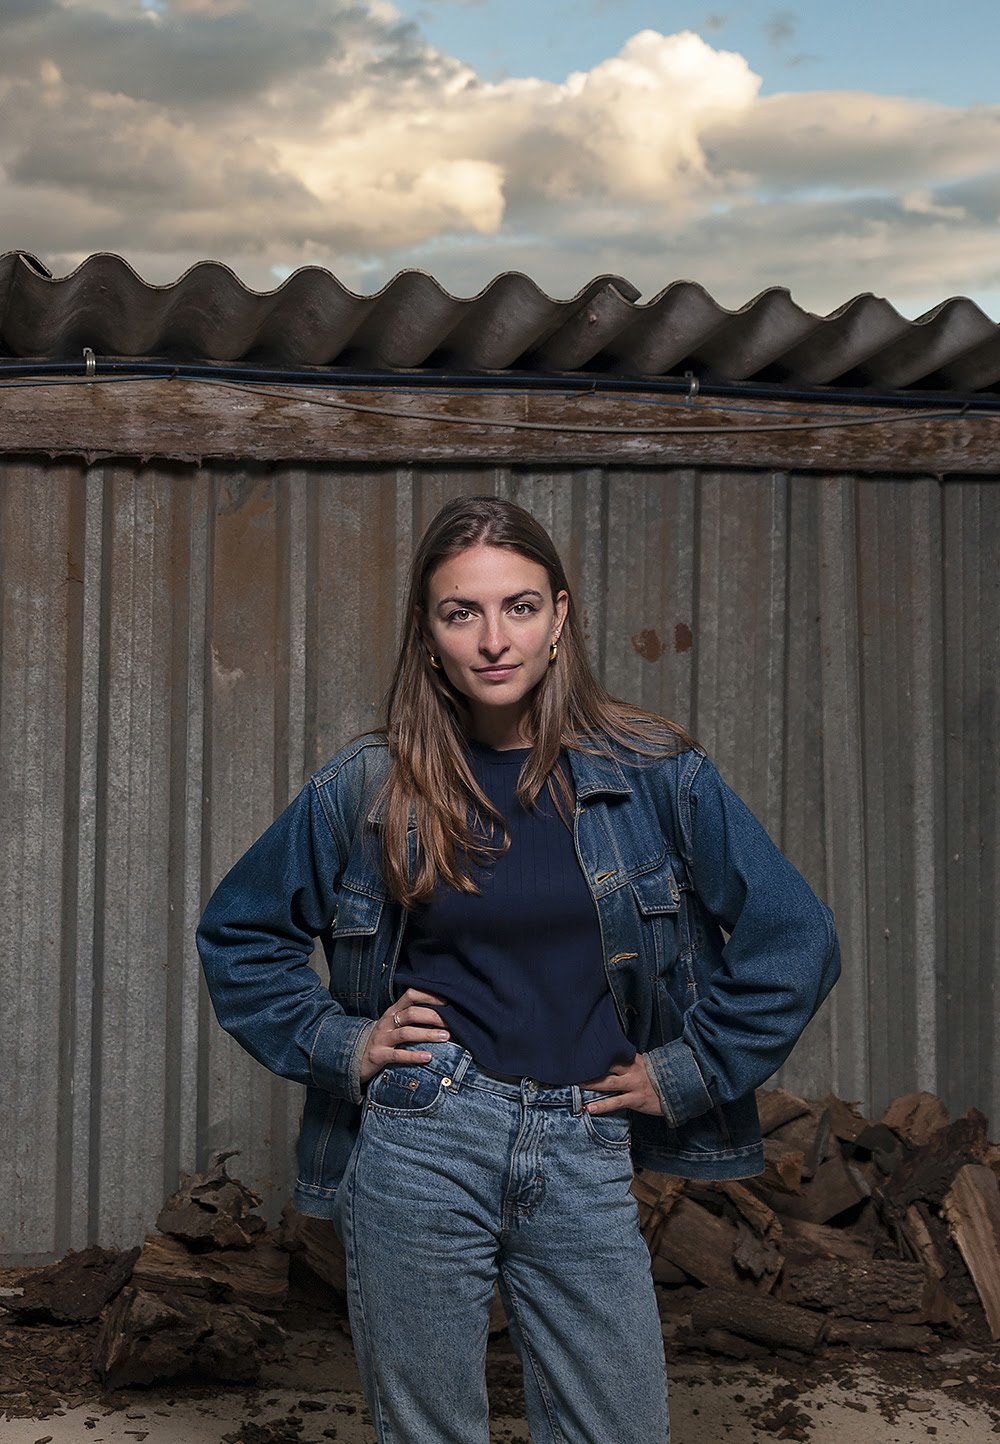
x,y
357,914
657,892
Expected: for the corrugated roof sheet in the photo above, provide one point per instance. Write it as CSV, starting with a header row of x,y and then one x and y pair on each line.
x,y
312,320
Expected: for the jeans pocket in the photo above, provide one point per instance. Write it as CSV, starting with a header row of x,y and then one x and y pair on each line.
x,y
409,1092
611,1130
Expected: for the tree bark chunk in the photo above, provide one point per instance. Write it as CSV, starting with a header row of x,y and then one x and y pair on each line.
x,y
255,1279
878,1289
765,1321
776,1107
74,1290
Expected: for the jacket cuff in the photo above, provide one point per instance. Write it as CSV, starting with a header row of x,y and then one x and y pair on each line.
x,y
337,1051
677,1079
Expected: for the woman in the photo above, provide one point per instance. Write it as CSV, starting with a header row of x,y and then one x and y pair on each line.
x,y
521,887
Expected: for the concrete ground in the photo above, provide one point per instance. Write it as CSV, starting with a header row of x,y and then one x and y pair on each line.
x,y
952,1397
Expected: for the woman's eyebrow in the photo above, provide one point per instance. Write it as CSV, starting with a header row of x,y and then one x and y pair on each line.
x,y
507,601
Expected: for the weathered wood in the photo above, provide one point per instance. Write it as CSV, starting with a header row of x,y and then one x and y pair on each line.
x,y
929,1173
808,1135
759,1215
875,1289
146,1337
720,1341
833,1188
861,1335
314,1243
212,1210
191,421
923,1239
972,1208
757,1258
782,1167
776,1107
845,1120
766,1321
700,1243
803,1241
254,1278
916,1117
75,1289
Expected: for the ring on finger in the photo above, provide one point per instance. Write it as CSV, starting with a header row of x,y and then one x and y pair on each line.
x,y
395,1021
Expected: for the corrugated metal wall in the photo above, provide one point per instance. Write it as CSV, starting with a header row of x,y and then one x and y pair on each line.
x,y
179,648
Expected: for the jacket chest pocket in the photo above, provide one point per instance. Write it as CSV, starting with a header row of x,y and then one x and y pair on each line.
x,y
354,935
658,897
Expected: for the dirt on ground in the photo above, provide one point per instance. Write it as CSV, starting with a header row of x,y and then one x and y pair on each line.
x,y
48,1394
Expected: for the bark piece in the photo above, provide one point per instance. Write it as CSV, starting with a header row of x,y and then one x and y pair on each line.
x,y
146,1337
212,1210
878,1289
254,1278
758,1258
776,1107
972,1208
766,1321
74,1290
720,1341
916,1117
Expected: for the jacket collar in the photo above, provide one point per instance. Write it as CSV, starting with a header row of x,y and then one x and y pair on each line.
x,y
595,773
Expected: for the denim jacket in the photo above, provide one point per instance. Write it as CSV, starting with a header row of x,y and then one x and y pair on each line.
x,y
717,952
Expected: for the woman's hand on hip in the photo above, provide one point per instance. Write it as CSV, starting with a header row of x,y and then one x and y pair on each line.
x,y
628,1085
408,1021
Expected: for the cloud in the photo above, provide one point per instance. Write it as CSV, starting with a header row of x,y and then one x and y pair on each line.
x,y
330,132
780,27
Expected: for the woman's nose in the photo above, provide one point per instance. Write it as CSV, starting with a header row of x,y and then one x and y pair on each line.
x,y
493,641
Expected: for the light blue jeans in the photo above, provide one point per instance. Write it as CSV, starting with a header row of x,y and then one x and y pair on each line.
x,y
460,1181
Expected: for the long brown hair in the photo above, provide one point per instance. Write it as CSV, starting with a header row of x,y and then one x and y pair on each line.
x,y
430,783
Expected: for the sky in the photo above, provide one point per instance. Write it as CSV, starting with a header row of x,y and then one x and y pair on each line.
x,y
829,149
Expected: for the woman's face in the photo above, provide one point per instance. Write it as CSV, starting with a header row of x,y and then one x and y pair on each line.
x,y
491,618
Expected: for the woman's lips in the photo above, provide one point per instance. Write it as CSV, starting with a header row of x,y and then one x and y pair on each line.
x,y
496,674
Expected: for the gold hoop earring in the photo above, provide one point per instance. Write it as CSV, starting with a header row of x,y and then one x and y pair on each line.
x,y
434,661
553,651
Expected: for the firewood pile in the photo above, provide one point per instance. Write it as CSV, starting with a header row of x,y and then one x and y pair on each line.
x,y
877,1234
873,1234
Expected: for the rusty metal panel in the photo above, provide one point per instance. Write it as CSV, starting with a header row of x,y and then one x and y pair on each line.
x,y
313,320
180,647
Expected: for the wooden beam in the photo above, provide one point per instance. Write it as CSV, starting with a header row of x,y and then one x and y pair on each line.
x,y
193,421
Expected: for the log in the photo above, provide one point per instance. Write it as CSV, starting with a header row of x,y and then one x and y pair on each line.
x,y
929,1172
877,1289
255,1279
845,1120
972,1208
833,1188
314,1243
699,1242
720,1341
782,1167
808,1135
923,1239
750,1208
804,1241
148,1337
74,1290
775,1107
766,1321
916,1117
861,1335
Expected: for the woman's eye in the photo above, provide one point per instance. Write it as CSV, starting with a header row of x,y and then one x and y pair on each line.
x,y
459,614
523,609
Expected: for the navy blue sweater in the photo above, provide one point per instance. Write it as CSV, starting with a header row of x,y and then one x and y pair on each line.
x,y
520,964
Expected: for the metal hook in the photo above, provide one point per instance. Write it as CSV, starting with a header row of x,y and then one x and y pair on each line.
x,y
89,361
693,386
